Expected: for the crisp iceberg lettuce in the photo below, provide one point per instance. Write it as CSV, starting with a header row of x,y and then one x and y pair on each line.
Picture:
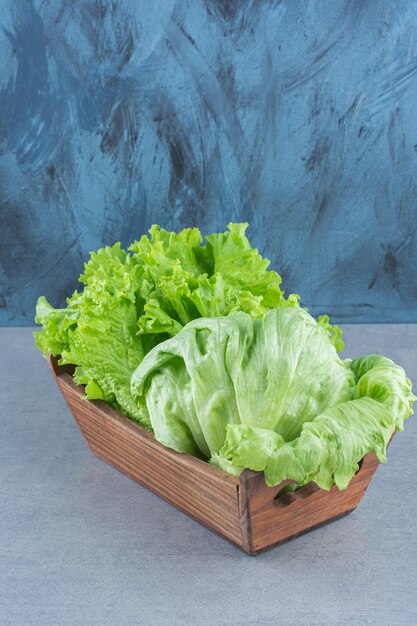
x,y
271,394
276,372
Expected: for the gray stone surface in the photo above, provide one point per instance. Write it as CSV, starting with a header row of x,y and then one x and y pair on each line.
x,y
82,544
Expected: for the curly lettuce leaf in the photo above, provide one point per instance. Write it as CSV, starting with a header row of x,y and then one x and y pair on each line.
x,y
242,267
184,280
333,331
53,338
106,350
98,331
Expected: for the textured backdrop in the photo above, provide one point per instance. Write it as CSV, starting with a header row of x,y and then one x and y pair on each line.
x,y
299,117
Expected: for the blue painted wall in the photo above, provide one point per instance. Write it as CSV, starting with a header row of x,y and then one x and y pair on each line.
x,y
297,116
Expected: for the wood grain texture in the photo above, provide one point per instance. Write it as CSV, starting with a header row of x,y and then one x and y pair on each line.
x,y
200,490
274,521
243,510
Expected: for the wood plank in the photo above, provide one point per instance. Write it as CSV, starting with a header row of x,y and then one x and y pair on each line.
x,y
195,487
270,523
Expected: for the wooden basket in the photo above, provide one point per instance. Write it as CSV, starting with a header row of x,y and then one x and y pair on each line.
x,y
242,509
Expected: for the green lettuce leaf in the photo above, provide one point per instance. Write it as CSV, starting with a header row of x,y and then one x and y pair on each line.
x,y
243,268
106,350
53,338
98,331
272,395
131,301
184,280
276,372
330,447
334,332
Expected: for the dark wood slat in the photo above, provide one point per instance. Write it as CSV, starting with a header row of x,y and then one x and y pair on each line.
x,y
271,524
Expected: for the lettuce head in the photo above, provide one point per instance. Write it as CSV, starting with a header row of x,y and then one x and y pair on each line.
x,y
271,394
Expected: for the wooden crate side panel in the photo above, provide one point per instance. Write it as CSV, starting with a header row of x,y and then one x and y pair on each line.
x,y
193,486
271,523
